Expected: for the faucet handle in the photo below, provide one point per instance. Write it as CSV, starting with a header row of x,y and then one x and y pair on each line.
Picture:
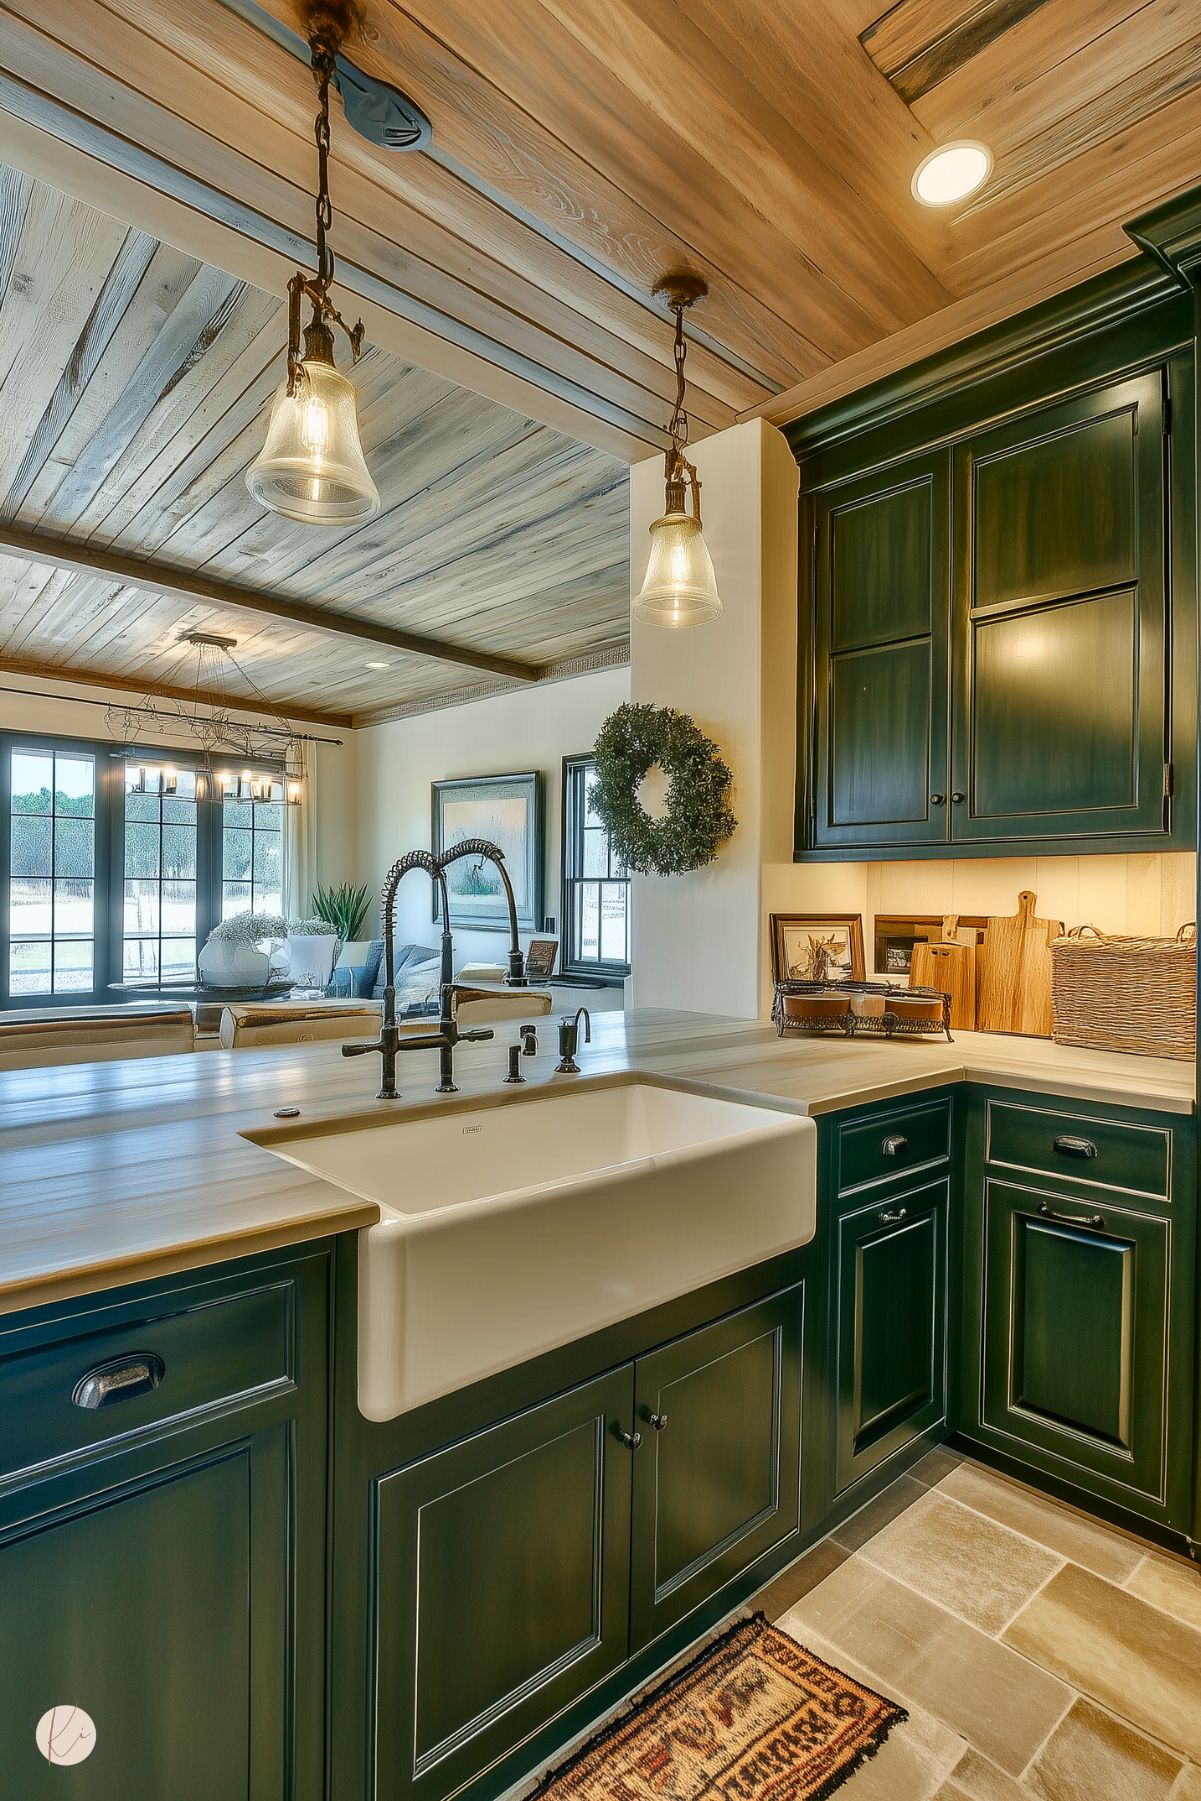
x,y
529,1040
359,1050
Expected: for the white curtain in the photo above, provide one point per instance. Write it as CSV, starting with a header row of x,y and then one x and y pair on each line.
x,y
300,841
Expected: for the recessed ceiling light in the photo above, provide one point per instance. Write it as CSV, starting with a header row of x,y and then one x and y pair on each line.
x,y
377,665
952,173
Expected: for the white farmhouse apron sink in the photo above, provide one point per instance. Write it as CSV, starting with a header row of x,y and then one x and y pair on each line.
x,y
509,1229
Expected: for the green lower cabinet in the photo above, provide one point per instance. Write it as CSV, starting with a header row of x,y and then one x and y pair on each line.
x,y
890,1290
502,1586
717,1474
1077,1304
158,1605
162,1539
1077,1358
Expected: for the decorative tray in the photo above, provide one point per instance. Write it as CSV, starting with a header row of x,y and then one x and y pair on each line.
x,y
861,1009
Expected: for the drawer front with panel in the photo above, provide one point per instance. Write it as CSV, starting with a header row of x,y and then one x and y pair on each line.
x,y
1077,1148
129,1368
894,1143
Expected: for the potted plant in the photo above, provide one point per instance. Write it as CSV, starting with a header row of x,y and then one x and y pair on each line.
x,y
233,956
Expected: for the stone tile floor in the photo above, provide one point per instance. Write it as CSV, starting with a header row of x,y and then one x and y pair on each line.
x,y
1041,1656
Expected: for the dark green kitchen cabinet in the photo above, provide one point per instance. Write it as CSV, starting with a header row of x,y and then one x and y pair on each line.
x,y
512,1572
162,1533
1079,1301
882,595
717,1472
1060,634
502,1572
998,625
890,1324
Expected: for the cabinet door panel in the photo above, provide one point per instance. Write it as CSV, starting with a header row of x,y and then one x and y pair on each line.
x,y
1075,1326
1061,620
890,1287
158,1606
718,1482
502,1570
882,597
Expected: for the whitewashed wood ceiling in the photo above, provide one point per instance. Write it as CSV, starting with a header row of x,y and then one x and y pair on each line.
x,y
134,383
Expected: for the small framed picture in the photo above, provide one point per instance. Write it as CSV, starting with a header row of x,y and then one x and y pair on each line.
x,y
540,959
817,947
895,935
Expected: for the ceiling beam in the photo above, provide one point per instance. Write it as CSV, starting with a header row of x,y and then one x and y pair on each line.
x,y
191,586
125,684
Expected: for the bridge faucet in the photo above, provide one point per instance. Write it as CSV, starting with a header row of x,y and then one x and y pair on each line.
x,y
444,1040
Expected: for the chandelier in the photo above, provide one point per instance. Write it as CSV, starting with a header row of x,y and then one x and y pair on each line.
x,y
269,758
311,466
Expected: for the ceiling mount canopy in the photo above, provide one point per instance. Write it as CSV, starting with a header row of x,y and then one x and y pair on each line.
x,y
312,466
680,587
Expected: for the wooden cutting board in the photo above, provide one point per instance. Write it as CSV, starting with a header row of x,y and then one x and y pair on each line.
x,y
949,964
1014,977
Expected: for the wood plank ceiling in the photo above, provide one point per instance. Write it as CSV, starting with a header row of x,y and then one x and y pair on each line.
x,y
582,146
133,387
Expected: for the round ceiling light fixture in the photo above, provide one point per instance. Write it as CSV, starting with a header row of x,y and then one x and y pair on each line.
x,y
951,173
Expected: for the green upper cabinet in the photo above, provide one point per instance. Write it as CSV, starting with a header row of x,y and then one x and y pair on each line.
x,y
1060,610
881,693
1001,652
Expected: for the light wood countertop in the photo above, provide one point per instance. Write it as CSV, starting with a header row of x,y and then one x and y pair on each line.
x,y
111,1172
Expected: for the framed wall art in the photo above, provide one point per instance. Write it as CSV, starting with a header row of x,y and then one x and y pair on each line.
x,y
817,947
507,810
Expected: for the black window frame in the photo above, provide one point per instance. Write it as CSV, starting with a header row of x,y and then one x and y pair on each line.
x,y
571,858
109,911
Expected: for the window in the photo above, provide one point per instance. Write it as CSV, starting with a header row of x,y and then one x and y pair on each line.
x,y
52,873
252,857
103,880
161,899
596,887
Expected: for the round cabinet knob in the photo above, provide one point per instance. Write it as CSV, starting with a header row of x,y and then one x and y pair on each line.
x,y
659,1422
631,1440
958,798
938,800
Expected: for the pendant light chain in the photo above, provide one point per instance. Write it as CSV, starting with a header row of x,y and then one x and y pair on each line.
x,y
677,425
323,72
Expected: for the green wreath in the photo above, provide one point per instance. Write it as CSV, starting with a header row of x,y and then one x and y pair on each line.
x,y
697,820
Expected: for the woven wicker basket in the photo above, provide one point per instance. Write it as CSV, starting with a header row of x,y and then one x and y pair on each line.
x,y
1126,994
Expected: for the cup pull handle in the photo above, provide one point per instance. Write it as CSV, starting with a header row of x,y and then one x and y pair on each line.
x,y
1067,1146
1095,1220
895,1145
118,1380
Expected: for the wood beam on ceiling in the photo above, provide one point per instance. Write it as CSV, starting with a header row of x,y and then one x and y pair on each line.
x,y
300,712
189,586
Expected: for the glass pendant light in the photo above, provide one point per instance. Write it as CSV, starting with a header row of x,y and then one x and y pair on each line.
x,y
680,587
312,466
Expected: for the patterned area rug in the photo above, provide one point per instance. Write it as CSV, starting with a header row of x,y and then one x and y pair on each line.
x,y
754,1717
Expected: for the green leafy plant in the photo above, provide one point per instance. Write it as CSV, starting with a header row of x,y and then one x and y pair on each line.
x,y
344,907
249,928
698,818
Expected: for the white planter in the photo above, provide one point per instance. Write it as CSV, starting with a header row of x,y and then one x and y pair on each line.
x,y
225,965
311,959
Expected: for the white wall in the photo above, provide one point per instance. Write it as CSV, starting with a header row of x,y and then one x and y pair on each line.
x,y
698,938
532,728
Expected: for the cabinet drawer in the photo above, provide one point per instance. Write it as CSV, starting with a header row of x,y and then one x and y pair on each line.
x,y
1101,1153
893,1143
185,1352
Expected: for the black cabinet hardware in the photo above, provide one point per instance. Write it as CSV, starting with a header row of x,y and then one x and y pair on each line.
x,y
1095,1220
119,1380
1067,1146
